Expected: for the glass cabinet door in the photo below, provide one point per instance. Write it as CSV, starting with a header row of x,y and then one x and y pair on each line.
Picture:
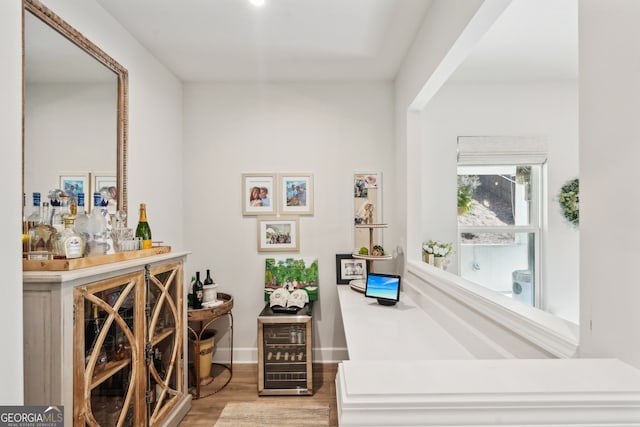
x,y
106,352
165,338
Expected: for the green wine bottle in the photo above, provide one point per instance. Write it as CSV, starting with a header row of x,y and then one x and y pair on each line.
x,y
143,230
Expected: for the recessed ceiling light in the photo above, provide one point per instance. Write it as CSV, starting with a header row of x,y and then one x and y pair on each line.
x,y
257,3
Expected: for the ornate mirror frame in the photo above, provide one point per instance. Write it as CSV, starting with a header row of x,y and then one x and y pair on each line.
x,y
74,36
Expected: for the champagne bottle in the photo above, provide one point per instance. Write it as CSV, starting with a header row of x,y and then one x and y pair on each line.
x,y
198,292
143,230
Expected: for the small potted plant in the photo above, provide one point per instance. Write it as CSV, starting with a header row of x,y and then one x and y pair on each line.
x,y
435,252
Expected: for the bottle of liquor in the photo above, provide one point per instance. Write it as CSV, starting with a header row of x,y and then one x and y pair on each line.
x,y
62,211
25,227
69,243
108,225
40,236
91,336
96,229
198,292
82,219
157,363
36,215
143,230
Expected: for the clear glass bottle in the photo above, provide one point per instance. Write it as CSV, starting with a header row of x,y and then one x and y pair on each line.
x,y
61,210
40,236
82,219
96,229
69,243
108,225
36,215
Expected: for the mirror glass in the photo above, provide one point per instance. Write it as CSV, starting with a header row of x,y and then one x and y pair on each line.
x,y
74,112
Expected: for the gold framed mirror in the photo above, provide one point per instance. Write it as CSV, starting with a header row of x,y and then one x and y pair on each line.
x,y
65,73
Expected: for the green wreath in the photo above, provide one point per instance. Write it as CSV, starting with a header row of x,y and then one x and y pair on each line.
x,y
569,201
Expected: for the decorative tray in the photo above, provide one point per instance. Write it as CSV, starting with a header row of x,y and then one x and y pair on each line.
x,y
358,285
201,314
77,263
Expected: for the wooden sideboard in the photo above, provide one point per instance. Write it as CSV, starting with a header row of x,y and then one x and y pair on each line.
x,y
141,309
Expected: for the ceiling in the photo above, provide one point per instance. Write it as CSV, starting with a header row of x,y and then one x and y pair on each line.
x,y
293,40
211,40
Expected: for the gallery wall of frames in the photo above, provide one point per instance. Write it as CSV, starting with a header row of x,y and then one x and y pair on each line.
x,y
277,200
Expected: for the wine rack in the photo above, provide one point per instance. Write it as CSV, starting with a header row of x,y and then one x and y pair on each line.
x,y
284,352
128,357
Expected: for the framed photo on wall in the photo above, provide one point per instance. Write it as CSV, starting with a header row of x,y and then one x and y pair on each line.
x,y
278,234
75,182
296,191
106,184
258,194
349,268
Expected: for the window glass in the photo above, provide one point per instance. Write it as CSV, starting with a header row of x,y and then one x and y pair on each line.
x,y
498,228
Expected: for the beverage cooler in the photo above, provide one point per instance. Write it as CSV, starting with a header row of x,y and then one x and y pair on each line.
x,y
284,352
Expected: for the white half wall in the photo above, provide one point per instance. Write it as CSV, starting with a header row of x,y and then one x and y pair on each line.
x,y
609,155
328,129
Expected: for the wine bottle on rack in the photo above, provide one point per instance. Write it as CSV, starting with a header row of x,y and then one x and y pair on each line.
x,y
198,292
91,333
157,363
143,230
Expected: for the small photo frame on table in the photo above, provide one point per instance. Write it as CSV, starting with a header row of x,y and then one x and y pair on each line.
x,y
73,183
279,234
349,268
258,194
105,183
296,191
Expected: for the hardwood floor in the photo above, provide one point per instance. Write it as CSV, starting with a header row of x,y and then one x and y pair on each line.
x,y
244,388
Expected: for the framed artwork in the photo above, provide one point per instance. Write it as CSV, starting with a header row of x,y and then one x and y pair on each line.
x,y
296,191
258,195
278,234
291,273
349,268
75,182
105,183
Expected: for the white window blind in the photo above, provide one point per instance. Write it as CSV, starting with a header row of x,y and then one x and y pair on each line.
x,y
501,150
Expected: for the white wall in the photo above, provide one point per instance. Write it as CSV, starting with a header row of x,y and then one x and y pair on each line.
x,y
545,109
155,120
12,390
155,153
609,202
68,128
330,130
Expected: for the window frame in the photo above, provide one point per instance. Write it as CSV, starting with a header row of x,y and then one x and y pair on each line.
x,y
489,152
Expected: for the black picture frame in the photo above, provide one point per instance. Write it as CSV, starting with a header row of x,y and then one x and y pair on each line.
x,y
344,263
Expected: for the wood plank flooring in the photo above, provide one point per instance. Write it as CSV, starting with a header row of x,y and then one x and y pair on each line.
x,y
244,388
